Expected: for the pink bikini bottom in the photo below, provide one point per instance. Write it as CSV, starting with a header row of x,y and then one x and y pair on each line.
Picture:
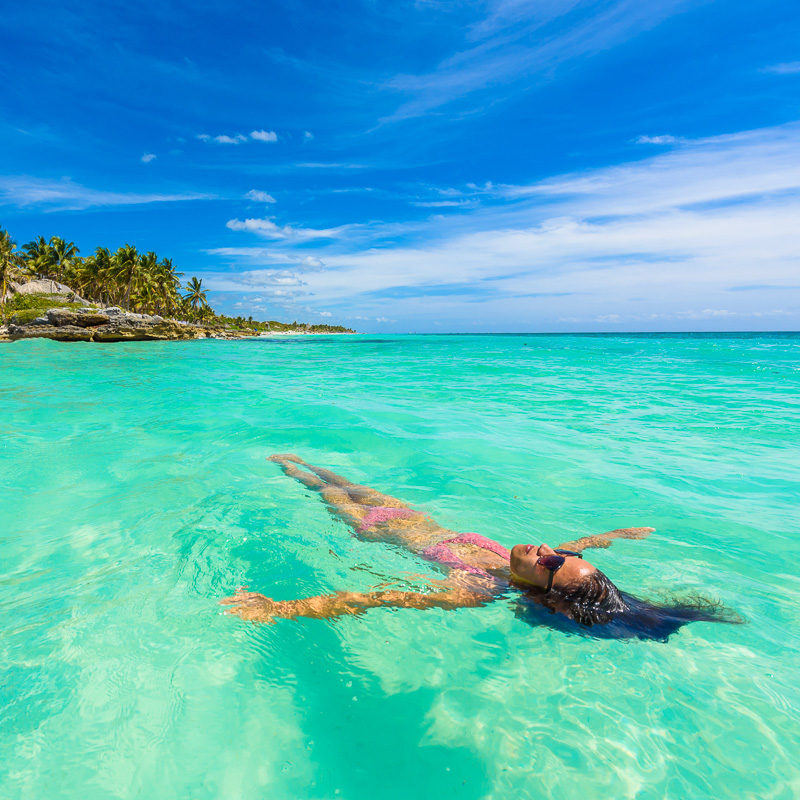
x,y
440,552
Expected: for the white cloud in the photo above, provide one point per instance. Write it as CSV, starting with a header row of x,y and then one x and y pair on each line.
x,y
260,197
264,136
714,170
307,136
265,227
325,313
707,313
222,139
787,68
374,319
268,283
269,230
663,139
444,203
148,157
260,255
266,278
699,227
330,165
65,195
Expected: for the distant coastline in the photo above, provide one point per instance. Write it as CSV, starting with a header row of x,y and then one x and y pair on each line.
x,y
47,290
45,309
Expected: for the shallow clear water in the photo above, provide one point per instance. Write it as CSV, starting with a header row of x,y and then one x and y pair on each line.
x,y
134,493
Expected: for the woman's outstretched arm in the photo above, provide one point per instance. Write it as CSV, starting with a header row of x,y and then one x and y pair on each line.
x,y
605,539
258,608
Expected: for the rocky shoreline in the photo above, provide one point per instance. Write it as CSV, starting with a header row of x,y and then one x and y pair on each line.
x,y
110,325
64,316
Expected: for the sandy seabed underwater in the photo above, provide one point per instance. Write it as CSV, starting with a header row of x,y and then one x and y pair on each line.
x,y
134,494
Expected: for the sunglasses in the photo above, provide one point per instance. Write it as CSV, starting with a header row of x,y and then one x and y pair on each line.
x,y
555,562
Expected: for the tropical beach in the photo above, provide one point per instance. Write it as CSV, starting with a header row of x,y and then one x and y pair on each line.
x,y
399,401
35,304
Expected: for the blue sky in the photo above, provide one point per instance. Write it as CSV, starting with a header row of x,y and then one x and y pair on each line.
x,y
423,166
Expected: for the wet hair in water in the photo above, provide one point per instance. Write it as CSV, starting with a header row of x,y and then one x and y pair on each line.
x,y
596,607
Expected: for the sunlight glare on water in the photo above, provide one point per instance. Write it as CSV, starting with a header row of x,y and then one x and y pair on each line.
x,y
135,493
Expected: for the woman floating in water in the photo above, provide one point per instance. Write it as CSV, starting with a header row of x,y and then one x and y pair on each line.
x,y
480,571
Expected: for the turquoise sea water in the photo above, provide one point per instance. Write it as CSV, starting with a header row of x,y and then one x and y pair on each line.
x,y
134,494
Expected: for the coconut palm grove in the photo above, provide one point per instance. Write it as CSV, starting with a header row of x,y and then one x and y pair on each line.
x,y
137,281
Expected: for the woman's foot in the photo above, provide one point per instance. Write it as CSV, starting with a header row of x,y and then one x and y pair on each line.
x,y
282,458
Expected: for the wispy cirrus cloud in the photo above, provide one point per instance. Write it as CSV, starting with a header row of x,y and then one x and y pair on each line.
x,y
787,68
679,316
444,203
260,256
330,165
662,139
526,40
148,157
65,195
714,170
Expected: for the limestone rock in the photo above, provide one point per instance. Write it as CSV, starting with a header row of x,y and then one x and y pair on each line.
x,y
42,286
62,333
91,319
142,327
45,286
104,325
60,317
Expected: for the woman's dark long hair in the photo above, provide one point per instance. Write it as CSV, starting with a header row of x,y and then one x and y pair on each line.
x,y
596,607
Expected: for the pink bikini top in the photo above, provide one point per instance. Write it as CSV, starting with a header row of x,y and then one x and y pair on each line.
x,y
440,552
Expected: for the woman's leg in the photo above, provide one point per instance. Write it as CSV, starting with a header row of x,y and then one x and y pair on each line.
x,y
359,507
325,474
338,499
360,495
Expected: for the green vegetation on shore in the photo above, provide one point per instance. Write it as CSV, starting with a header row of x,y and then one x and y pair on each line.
x,y
24,308
134,281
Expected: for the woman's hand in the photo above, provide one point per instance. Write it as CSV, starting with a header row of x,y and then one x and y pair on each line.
x,y
603,540
257,608
252,606
628,533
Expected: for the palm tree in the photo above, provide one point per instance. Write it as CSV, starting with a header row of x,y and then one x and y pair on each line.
x,y
172,285
10,261
195,295
64,256
148,282
127,262
95,275
206,313
139,282
38,257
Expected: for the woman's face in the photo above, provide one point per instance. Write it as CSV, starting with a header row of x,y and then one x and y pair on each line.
x,y
525,569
